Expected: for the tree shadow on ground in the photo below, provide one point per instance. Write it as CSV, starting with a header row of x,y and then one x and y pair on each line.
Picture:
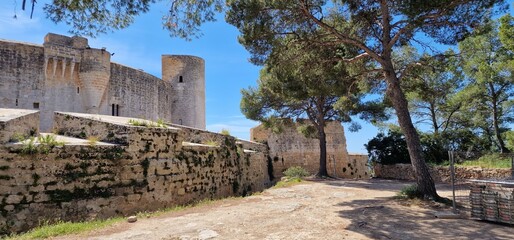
x,y
371,184
387,218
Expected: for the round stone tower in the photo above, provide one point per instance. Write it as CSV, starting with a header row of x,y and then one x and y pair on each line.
x,y
186,74
94,76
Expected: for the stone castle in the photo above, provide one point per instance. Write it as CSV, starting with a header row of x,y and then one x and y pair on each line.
x,y
66,74
106,166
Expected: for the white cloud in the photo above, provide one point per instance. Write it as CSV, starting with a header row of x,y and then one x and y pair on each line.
x,y
21,24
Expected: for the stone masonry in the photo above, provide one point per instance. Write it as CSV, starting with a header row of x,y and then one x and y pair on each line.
x,y
66,74
290,148
130,169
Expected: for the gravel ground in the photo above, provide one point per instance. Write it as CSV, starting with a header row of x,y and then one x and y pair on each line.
x,y
339,209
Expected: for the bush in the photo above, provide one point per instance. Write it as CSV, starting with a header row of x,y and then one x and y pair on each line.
x,y
409,192
225,132
296,172
492,160
392,148
388,149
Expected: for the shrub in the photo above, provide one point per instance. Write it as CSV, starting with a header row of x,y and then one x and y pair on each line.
x,y
296,172
144,123
409,192
211,142
92,140
29,146
492,160
225,132
388,149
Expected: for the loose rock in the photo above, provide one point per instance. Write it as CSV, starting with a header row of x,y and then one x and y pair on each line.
x,y
132,219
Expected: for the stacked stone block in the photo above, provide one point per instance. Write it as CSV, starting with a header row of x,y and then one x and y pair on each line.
x,y
144,169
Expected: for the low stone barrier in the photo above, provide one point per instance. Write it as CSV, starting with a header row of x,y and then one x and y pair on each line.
x,y
439,173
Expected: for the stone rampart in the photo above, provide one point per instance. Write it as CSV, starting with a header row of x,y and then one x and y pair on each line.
x,y
15,124
290,148
439,173
65,74
146,168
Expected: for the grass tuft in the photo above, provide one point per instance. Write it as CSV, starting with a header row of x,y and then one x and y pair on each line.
x,y
493,160
64,228
296,172
409,192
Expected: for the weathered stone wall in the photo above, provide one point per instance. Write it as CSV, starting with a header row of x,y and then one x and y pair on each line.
x,y
147,169
17,124
138,94
439,173
22,77
358,166
291,148
65,74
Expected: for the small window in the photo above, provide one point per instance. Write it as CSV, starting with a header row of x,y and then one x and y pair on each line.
x,y
180,121
78,90
16,102
180,79
35,105
117,110
113,109
166,97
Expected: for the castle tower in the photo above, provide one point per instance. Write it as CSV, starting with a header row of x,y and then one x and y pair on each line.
x,y
94,76
186,74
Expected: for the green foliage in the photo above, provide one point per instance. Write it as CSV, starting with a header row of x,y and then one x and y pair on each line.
x,y
61,228
489,96
493,160
211,142
161,123
225,132
92,140
29,146
388,149
308,131
47,143
296,172
146,123
392,148
409,192
182,19
506,31
288,182
18,137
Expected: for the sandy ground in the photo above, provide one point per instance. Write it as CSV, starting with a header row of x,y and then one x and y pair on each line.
x,y
342,209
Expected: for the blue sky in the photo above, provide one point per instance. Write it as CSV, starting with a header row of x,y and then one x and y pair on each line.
x,y
141,45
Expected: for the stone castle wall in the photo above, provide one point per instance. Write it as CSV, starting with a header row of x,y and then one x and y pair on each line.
x,y
136,169
65,74
290,148
439,173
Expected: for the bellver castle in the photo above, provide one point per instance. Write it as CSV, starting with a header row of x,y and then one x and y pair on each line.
x,y
69,149
66,74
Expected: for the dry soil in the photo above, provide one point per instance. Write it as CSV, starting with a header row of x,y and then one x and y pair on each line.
x,y
339,209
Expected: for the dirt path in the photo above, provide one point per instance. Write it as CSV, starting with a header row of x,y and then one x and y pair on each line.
x,y
314,210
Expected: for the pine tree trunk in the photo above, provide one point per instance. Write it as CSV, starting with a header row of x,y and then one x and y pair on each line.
x,y
322,152
496,125
425,183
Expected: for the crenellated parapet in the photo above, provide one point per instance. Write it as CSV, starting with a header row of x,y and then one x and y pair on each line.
x,y
62,54
66,74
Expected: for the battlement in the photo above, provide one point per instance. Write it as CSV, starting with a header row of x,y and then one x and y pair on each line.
x,y
68,75
61,40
